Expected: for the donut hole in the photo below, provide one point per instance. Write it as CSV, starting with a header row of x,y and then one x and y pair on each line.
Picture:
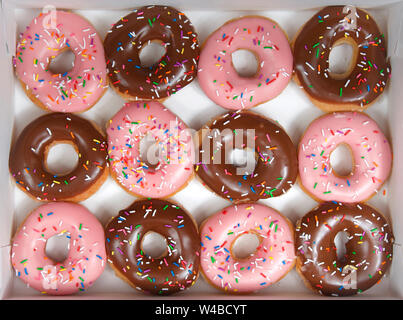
x,y
245,245
340,241
57,247
342,58
151,53
61,158
149,151
245,63
341,160
243,159
154,245
63,62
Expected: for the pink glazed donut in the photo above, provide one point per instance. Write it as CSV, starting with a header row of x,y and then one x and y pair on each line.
x,y
221,82
160,173
86,258
47,36
371,153
272,260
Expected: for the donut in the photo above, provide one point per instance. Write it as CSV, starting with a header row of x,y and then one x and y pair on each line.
x,y
86,257
272,260
370,150
47,36
128,36
275,169
28,156
158,175
267,41
176,269
368,253
369,69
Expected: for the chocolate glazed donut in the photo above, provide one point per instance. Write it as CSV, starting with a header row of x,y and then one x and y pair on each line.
x,y
176,69
368,251
275,169
27,158
369,71
177,269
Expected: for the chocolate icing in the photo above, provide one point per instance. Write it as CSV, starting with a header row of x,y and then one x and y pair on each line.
x,y
174,272
276,159
176,69
368,250
312,47
27,157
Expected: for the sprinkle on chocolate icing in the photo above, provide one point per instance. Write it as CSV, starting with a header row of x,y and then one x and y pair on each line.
x,y
27,157
368,251
276,159
312,47
176,69
175,271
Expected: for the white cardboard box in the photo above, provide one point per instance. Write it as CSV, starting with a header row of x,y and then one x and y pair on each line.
x,y
292,109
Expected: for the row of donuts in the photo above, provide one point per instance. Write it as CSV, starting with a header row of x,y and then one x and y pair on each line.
x,y
119,154
274,171
277,164
368,256
117,59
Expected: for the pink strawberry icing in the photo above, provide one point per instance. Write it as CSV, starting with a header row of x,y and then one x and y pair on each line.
x,y
86,257
174,163
371,152
48,35
273,258
221,82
